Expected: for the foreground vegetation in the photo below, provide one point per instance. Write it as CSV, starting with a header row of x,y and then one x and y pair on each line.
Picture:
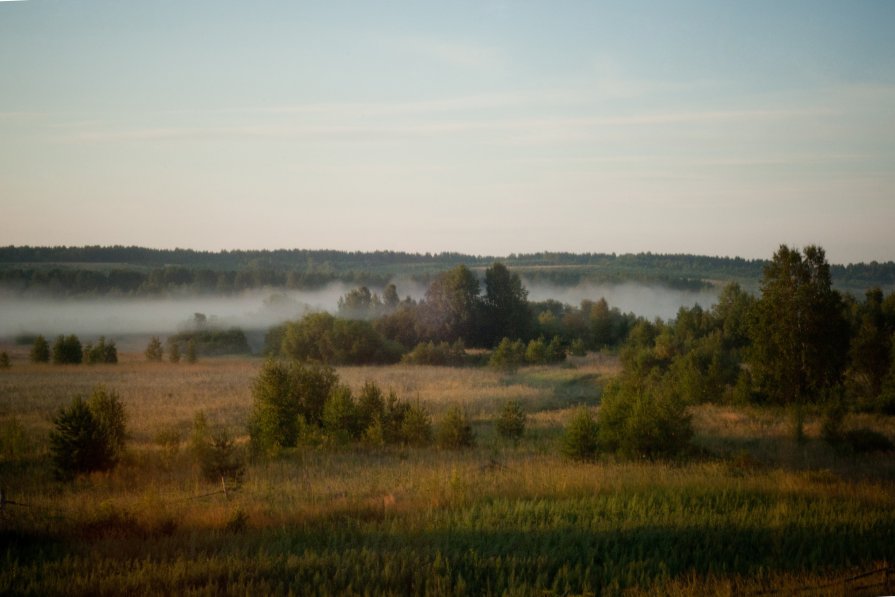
x,y
750,509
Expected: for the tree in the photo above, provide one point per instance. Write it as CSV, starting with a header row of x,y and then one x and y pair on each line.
x,y
101,352
40,350
870,347
108,410
511,424
284,395
505,305
643,417
390,298
67,350
579,440
88,435
452,308
191,355
4,360
455,431
799,333
154,351
508,356
173,351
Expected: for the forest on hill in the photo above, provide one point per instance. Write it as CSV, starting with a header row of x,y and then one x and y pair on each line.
x,y
139,271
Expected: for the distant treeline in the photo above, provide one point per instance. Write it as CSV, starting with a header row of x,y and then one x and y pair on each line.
x,y
129,271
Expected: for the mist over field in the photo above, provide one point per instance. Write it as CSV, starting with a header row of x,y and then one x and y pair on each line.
x,y
264,308
648,301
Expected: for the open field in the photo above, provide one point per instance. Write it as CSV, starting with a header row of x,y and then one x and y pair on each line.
x,y
752,511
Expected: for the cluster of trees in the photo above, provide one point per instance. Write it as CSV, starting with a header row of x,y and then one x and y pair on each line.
x,y
322,337
68,350
147,271
799,342
297,402
458,310
509,355
155,351
304,401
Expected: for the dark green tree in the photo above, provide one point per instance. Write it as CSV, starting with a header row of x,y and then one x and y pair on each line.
x,y
579,440
505,305
285,394
67,350
870,347
452,309
799,332
88,435
40,350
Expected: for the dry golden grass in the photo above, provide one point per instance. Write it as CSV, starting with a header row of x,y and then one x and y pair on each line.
x,y
755,480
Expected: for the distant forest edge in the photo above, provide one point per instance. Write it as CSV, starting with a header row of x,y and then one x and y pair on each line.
x,y
134,271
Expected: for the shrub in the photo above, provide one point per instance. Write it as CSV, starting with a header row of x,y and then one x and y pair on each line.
x,y
508,356
322,337
173,351
215,451
511,424
579,441
109,413
455,431
643,418
88,435
536,352
154,350
102,352
416,426
67,350
192,354
340,416
214,342
442,354
283,394
577,348
370,405
4,360
40,350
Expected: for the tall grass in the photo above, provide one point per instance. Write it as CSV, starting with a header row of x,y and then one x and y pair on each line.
x,y
755,511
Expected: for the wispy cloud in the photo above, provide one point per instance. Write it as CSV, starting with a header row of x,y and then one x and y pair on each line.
x,y
440,127
458,54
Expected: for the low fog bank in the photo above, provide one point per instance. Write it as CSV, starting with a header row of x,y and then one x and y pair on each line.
x,y
122,316
647,301
260,310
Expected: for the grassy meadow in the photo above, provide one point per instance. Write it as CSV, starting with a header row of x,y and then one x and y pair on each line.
x,y
749,512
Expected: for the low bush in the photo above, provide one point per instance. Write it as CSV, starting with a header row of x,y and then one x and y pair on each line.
x,y
643,418
215,451
508,356
579,440
88,435
443,354
455,431
511,423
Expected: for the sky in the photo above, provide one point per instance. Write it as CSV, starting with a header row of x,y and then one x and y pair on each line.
x,y
484,127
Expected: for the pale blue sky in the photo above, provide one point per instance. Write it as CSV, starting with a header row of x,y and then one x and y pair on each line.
x,y
486,127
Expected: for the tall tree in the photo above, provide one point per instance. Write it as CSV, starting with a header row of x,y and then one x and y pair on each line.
x,y
453,306
799,333
505,305
870,347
